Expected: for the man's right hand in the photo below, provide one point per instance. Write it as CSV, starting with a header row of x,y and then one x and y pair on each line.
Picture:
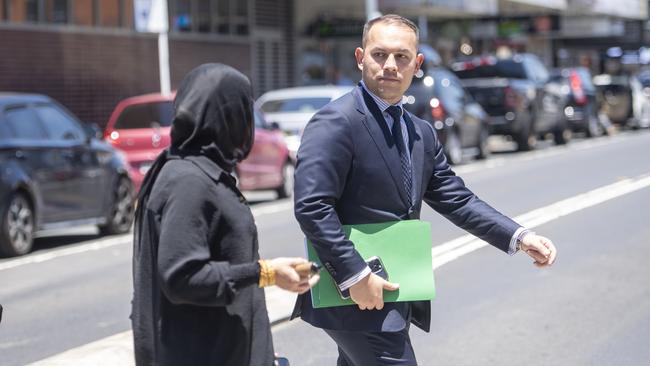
x,y
368,293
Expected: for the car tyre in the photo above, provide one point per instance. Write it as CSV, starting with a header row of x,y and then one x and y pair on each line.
x,y
122,209
17,229
286,189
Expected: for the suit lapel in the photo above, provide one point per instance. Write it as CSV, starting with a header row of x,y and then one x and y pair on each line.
x,y
384,142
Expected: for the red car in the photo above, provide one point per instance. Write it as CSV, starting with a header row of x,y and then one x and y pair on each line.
x,y
140,126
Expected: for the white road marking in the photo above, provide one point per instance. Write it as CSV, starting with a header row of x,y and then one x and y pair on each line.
x,y
97,244
468,243
118,349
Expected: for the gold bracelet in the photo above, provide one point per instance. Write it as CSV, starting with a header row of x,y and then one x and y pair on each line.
x,y
267,274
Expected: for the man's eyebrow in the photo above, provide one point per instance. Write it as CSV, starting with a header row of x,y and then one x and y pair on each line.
x,y
403,50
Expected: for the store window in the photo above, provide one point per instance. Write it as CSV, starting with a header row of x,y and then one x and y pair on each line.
x,y
101,13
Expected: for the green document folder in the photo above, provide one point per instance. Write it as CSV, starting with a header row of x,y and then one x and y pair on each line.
x,y
404,247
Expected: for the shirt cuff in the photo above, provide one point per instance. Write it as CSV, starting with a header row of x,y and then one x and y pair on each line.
x,y
516,237
354,279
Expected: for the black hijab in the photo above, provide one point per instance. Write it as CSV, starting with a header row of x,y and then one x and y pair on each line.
x,y
213,117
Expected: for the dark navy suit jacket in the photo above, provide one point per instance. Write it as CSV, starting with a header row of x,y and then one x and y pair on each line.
x,y
349,172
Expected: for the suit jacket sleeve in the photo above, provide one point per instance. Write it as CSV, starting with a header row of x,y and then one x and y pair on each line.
x,y
447,194
324,160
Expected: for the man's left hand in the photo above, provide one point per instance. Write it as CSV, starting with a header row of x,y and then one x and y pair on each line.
x,y
540,248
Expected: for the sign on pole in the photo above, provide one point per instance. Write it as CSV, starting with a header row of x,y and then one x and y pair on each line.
x,y
151,16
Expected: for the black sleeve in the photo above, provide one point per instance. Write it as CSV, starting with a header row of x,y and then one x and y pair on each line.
x,y
187,273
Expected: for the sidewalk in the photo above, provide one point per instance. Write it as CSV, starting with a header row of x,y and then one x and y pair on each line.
x,y
117,350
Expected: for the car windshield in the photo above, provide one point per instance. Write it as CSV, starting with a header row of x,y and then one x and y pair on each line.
x,y
301,105
146,115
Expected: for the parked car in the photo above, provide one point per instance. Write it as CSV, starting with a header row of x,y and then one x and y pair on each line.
x,y
615,94
437,96
292,108
140,127
518,95
56,173
581,106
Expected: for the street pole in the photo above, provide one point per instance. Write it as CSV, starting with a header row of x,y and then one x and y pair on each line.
x,y
163,50
372,10
163,63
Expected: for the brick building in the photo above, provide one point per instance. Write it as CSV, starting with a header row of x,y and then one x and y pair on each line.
x,y
87,55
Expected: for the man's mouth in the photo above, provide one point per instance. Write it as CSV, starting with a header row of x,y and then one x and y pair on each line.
x,y
388,79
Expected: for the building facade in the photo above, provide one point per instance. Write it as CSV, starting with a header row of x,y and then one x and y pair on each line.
x,y
88,55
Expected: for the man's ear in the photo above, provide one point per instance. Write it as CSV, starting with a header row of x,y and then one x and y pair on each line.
x,y
358,55
419,59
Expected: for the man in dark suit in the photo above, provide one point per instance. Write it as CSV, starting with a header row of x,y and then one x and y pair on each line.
x,y
364,159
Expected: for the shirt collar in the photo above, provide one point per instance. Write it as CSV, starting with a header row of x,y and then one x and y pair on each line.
x,y
382,104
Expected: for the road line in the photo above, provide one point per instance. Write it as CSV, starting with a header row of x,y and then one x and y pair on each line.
x,y
456,248
77,249
97,244
118,349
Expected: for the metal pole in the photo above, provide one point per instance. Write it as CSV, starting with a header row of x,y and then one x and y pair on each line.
x,y
372,10
163,63
424,31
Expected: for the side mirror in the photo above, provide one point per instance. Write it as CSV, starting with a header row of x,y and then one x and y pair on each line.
x,y
92,131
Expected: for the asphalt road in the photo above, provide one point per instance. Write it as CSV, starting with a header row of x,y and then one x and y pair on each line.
x,y
592,308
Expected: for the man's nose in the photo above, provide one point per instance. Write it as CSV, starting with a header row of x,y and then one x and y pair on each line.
x,y
390,64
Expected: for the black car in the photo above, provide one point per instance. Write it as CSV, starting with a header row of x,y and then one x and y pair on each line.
x,y
582,105
56,173
437,96
517,93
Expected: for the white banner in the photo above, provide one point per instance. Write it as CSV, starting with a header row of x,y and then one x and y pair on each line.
x,y
151,16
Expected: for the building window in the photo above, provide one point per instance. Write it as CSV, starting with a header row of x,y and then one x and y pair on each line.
x,y
56,11
182,16
210,16
32,12
3,10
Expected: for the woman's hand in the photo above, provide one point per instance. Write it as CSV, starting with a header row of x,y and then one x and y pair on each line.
x,y
286,276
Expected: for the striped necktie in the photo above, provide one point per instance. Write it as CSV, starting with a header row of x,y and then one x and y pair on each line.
x,y
407,178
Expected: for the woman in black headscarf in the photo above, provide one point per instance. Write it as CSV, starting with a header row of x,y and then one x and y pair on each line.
x,y
197,275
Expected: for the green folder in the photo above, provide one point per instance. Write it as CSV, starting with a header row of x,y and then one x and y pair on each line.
x,y
404,247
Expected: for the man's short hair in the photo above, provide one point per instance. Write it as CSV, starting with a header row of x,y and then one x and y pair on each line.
x,y
388,19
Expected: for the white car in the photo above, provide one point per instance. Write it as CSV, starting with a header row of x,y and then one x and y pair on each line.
x,y
292,108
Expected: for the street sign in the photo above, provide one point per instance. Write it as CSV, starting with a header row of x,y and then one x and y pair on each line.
x,y
151,16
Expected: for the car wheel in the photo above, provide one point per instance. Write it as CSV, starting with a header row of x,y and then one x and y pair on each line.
x,y
286,189
17,231
122,209
483,148
525,138
453,148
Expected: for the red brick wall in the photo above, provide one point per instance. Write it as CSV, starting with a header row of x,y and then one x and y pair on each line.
x,y
89,72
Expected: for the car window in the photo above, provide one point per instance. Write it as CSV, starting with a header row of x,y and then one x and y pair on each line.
x,y
24,124
310,104
146,115
58,124
536,70
508,68
259,120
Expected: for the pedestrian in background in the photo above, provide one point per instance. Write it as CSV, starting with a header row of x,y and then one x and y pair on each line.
x,y
365,159
198,297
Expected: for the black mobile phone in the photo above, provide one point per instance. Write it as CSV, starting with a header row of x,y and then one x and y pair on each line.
x,y
376,267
